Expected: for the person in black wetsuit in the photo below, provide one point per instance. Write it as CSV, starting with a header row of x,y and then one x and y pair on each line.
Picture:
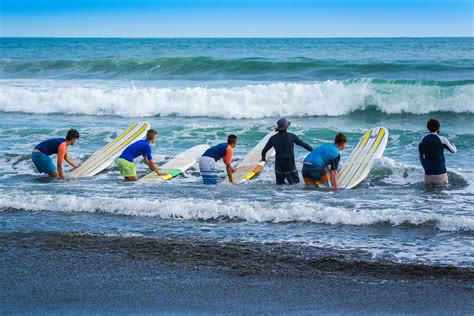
x,y
283,142
431,150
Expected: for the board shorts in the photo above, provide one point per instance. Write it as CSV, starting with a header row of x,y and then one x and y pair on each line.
x,y
127,168
43,163
291,177
436,179
285,170
209,172
315,176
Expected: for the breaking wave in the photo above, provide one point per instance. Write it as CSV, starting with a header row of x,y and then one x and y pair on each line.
x,y
328,98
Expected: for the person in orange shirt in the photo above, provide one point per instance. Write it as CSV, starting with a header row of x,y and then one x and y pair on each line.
x,y
207,163
42,151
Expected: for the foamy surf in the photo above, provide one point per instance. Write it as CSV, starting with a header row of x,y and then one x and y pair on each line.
x,y
237,210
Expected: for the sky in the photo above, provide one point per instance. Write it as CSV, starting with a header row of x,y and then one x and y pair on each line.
x,y
238,18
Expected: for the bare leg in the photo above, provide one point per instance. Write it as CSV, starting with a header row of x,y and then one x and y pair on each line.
x,y
134,178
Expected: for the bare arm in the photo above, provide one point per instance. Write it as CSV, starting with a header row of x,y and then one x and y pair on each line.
x,y
60,169
62,154
333,176
69,161
151,164
230,170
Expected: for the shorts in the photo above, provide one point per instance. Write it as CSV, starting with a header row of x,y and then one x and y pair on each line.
x,y
208,168
43,163
291,177
436,179
127,168
315,176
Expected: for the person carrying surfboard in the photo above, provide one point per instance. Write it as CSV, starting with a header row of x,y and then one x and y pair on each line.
x,y
431,154
139,148
320,166
207,162
42,151
284,143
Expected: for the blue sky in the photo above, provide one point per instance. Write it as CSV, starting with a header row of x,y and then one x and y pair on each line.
x,y
238,18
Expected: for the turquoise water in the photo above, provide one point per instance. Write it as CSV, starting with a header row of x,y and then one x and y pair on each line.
x,y
197,91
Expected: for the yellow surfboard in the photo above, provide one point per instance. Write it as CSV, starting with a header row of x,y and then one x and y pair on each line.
x,y
251,165
370,148
106,156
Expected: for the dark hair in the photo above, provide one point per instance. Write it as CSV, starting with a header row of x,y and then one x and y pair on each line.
x,y
340,139
150,134
231,139
71,134
433,125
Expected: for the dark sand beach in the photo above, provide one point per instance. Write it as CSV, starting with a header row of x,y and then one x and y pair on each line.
x,y
57,274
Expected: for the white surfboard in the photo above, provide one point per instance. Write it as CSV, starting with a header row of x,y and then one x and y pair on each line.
x,y
178,165
107,155
251,165
370,148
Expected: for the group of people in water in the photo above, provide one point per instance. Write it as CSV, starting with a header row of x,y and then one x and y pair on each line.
x,y
319,167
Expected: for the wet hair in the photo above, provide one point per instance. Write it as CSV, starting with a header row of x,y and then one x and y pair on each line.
x,y
71,134
150,134
231,139
340,139
433,125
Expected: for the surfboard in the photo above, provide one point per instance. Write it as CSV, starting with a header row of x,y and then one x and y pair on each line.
x,y
251,165
178,165
107,155
370,148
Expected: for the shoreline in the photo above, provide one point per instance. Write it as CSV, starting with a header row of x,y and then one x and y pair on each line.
x,y
61,275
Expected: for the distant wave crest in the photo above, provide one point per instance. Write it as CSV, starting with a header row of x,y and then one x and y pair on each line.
x,y
206,68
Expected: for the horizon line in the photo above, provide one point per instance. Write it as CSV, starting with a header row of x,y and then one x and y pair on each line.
x,y
237,37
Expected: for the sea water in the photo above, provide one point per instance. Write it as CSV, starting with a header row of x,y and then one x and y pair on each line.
x,y
196,91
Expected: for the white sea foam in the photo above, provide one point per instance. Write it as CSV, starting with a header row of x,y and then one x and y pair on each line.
x,y
251,101
199,209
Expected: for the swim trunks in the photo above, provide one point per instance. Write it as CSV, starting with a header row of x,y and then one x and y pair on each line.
x,y
126,168
43,163
315,176
208,168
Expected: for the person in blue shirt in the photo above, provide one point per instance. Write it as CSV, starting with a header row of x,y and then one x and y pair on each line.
x,y
207,162
139,148
431,153
42,152
320,166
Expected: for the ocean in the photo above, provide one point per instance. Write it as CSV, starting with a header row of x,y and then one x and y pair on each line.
x,y
196,91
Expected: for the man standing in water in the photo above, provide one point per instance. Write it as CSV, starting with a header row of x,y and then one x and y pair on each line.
x,y
321,165
207,163
43,150
139,148
283,142
431,150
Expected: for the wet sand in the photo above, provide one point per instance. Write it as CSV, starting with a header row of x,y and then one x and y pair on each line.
x,y
64,277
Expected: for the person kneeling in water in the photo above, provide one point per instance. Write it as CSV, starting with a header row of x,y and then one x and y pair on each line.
x,y
207,163
139,148
431,150
43,150
320,166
